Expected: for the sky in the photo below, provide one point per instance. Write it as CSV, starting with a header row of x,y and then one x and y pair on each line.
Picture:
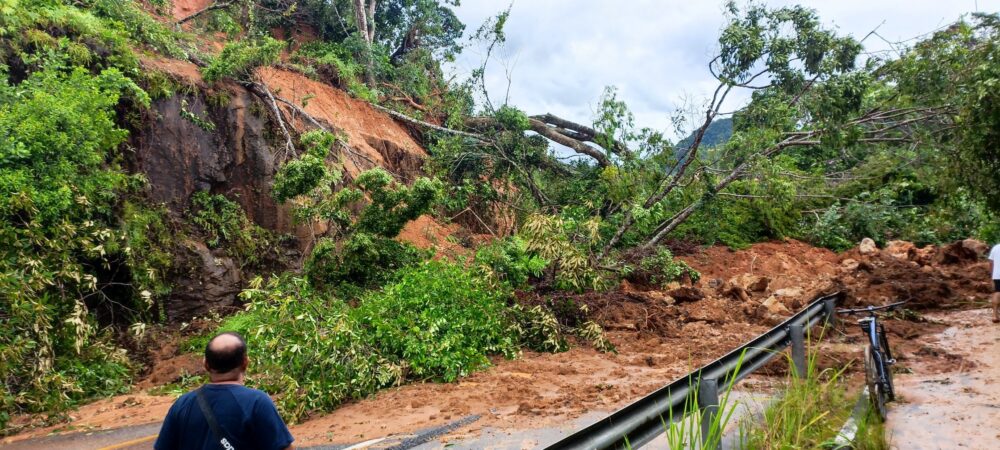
x,y
560,54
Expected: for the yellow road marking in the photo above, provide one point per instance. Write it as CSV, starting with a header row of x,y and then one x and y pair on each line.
x,y
127,444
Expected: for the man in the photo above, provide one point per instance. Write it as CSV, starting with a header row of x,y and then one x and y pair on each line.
x,y
224,414
995,298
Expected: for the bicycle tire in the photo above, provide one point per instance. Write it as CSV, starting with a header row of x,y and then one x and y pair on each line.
x,y
875,389
890,388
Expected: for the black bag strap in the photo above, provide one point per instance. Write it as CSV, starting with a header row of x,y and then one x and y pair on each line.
x,y
212,422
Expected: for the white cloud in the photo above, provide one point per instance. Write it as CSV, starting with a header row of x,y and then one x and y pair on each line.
x,y
564,52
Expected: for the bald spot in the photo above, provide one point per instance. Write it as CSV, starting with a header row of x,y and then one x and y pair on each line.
x,y
224,343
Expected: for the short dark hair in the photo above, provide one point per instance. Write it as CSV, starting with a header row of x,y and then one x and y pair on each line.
x,y
228,358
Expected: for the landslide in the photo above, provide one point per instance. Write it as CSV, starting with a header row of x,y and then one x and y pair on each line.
x,y
238,156
660,333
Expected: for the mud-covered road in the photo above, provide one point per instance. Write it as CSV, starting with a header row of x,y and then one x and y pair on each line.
x,y
959,407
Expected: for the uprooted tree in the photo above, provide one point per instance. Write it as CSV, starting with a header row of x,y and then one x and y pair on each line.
x,y
810,101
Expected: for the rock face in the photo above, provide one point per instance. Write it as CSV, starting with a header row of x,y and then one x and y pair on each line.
x,y
220,138
179,157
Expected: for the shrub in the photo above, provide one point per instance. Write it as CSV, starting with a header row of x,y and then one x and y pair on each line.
x,y
307,349
438,321
301,176
58,194
508,261
226,225
363,260
441,319
661,268
239,59
368,254
568,244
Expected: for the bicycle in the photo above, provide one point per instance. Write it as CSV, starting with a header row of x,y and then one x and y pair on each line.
x,y
878,357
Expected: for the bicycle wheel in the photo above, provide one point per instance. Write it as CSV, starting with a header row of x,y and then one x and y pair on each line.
x,y
890,389
875,390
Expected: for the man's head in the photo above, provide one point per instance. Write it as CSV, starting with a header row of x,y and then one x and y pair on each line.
x,y
226,357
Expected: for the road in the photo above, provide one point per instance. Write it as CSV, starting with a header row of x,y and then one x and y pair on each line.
x,y
958,407
141,437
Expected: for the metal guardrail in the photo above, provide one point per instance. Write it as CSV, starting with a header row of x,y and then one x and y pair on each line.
x,y
640,422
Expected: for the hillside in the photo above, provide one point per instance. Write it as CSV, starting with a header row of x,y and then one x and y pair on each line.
x,y
310,175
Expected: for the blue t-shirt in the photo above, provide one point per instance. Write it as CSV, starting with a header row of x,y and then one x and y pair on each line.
x,y
247,417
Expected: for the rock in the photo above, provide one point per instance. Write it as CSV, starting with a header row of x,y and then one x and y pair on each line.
x,y
976,247
901,250
774,306
686,294
788,292
867,247
735,292
751,283
209,282
850,265
715,283
672,285
962,251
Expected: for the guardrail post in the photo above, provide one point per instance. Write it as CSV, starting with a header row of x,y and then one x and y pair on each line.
x,y
708,402
798,335
830,306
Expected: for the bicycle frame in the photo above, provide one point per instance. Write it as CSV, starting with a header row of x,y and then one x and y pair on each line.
x,y
876,332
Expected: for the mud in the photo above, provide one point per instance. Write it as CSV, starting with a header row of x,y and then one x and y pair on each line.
x,y
957,406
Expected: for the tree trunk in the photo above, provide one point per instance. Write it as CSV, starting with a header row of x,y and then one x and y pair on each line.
x,y
362,13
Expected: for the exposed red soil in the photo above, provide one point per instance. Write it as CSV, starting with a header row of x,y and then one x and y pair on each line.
x,y
378,140
184,8
426,233
183,71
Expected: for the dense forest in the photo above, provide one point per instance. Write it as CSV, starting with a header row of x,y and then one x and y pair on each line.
x,y
835,145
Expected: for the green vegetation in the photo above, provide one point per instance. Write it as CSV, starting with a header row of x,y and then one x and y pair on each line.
x,y
834,147
225,225
239,59
61,185
810,413
438,321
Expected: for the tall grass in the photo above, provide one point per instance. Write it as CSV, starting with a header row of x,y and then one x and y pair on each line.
x,y
685,432
810,413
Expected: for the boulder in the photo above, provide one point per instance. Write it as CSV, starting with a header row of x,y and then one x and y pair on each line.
x,y
774,306
751,283
793,292
901,250
735,292
977,247
209,281
849,264
686,294
925,255
867,247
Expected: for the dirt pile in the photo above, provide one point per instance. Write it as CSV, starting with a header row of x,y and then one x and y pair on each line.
x,y
767,282
932,277
760,285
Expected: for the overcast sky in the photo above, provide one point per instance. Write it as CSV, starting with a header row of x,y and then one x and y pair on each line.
x,y
562,53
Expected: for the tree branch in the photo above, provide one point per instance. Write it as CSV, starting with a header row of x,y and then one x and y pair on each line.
x,y
212,7
553,135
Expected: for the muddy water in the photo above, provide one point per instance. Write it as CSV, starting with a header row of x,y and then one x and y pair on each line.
x,y
959,407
